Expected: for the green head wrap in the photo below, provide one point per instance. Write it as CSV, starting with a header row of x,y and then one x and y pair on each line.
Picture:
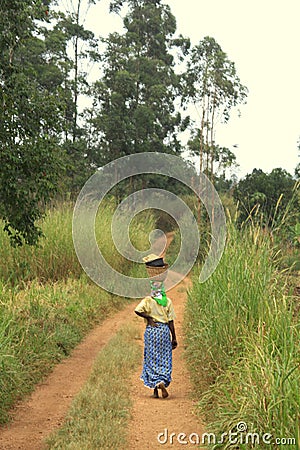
x,y
158,293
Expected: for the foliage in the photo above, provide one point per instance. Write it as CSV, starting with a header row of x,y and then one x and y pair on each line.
x,y
243,341
43,147
73,47
265,197
297,169
211,82
223,160
294,232
30,115
134,102
211,78
54,259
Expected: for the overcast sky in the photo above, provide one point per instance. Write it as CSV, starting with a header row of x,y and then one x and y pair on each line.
x,y
262,38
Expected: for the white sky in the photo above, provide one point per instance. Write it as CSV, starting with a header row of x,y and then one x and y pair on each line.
x,y
262,38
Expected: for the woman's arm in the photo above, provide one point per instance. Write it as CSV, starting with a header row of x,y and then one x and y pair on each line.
x,y
173,334
147,317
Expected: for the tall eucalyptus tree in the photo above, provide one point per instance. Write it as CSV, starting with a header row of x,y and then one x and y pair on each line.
x,y
135,102
212,84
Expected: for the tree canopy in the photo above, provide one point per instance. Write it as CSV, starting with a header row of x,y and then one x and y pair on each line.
x,y
264,195
30,117
149,75
134,102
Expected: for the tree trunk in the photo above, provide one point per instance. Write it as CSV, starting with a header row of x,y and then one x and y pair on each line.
x,y
207,136
76,74
212,155
201,159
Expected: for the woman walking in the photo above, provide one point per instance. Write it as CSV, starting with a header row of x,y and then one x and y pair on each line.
x,y
159,337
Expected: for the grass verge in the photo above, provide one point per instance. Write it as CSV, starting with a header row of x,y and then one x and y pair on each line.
x,y
99,414
243,344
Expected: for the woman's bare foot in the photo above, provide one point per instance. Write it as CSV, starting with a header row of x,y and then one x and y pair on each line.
x,y
155,393
164,391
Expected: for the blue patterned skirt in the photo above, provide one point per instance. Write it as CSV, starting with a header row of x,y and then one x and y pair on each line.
x,y
157,366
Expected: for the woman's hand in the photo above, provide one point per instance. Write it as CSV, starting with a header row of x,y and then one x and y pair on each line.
x,y
174,344
151,322
149,319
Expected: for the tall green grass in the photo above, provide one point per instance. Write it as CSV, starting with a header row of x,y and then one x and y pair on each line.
x,y
47,303
243,342
54,258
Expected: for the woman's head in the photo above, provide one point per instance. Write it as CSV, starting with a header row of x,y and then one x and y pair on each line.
x,y
158,292
157,288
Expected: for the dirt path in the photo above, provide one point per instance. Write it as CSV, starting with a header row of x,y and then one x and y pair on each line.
x,y
45,409
152,417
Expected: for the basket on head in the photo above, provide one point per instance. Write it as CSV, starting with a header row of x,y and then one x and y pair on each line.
x,y
156,267
160,273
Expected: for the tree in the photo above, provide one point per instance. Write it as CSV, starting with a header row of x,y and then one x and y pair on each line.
x,y
30,117
211,83
73,47
263,195
134,103
224,158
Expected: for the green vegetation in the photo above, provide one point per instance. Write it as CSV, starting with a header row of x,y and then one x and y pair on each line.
x,y
52,260
31,114
47,304
39,326
99,414
242,333
50,145
267,197
243,341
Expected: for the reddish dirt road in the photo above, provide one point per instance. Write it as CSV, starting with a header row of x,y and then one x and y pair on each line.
x,y
45,409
